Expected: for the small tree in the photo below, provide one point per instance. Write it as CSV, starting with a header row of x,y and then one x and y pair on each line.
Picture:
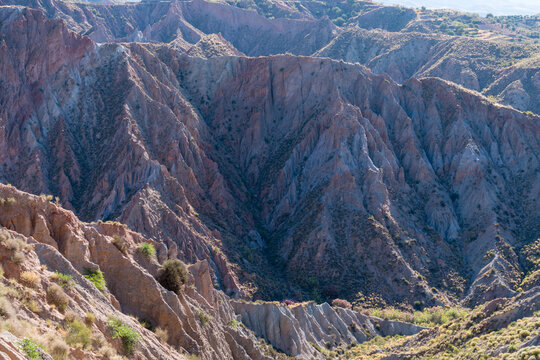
x,y
172,275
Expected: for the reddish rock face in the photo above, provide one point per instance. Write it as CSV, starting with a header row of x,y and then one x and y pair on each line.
x,y
289,174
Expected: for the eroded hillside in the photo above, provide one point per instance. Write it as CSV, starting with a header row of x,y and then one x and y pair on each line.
x,y
293,176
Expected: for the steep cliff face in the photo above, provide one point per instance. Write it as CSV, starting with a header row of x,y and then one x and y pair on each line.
x,y
52,241
351,182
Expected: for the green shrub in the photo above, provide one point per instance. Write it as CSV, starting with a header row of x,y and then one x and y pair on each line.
x,y
79,334
127,335
233,323
172,275
31,349
147,250
96,278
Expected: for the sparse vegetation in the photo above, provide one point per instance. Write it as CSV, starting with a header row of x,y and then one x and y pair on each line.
x,y
464,338
66,281
172,275
427,317
127,335
203,317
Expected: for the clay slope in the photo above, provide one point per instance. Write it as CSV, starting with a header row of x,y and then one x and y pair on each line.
x,y
40,240
344,181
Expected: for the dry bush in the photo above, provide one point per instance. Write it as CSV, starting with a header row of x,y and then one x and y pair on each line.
x,y
108,353
120,244
6,309
162,335
57,297
30,279
89,318
18,257
14,244
19,328
98,340
79,335
57,348
32,305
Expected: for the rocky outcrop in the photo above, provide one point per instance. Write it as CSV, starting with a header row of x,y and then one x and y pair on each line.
x,y
303,330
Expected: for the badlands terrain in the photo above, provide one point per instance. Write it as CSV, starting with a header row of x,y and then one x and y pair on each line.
x,y
268,180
